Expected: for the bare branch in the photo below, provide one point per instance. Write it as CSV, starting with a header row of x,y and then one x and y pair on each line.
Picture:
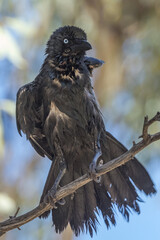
x,y
146,125
16,222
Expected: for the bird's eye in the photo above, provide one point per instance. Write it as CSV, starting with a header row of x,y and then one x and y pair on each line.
x,y
65,40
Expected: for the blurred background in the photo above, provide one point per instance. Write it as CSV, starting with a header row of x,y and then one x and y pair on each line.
x,y
125,34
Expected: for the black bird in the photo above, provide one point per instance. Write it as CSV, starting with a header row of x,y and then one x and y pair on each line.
x,y
60,116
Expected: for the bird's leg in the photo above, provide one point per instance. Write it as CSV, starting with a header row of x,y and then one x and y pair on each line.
x,y
62,166
93,165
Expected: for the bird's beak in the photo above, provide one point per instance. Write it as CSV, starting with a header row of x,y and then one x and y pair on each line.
x,y
81,45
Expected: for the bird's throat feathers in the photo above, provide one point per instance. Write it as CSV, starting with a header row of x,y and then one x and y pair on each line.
x,y
68,69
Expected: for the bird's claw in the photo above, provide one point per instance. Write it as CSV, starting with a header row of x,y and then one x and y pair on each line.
x,y
61,202
93,171
49,198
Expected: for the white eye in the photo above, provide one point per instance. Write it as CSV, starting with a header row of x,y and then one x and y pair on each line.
x,y
65,40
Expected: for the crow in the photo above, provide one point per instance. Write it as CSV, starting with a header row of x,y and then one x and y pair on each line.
x,y
61,118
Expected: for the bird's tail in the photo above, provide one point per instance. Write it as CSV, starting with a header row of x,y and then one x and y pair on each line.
x,y
117,188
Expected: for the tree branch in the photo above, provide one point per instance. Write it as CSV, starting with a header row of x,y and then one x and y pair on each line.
x,y
16,222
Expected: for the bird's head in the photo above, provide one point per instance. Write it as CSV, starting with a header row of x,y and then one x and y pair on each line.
x,y
67,41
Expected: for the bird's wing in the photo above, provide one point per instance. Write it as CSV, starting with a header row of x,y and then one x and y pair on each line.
x,y
29,118
92,63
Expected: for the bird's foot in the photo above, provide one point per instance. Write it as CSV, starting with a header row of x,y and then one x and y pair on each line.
x,y
50,196
93,171
96,162
61,202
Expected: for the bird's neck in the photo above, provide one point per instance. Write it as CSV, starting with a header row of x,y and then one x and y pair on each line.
x,y
64,63
66,71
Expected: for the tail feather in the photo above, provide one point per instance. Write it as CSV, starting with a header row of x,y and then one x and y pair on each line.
x,y
84,206
83,216
122,192
133,169
140,177
104,203
117,188
78,210
62,215
90,208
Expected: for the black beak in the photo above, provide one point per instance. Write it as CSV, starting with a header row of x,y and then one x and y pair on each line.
x,y
81,45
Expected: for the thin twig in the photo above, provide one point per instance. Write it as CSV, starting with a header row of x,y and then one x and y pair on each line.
x,y
146,125
15,215
70,188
